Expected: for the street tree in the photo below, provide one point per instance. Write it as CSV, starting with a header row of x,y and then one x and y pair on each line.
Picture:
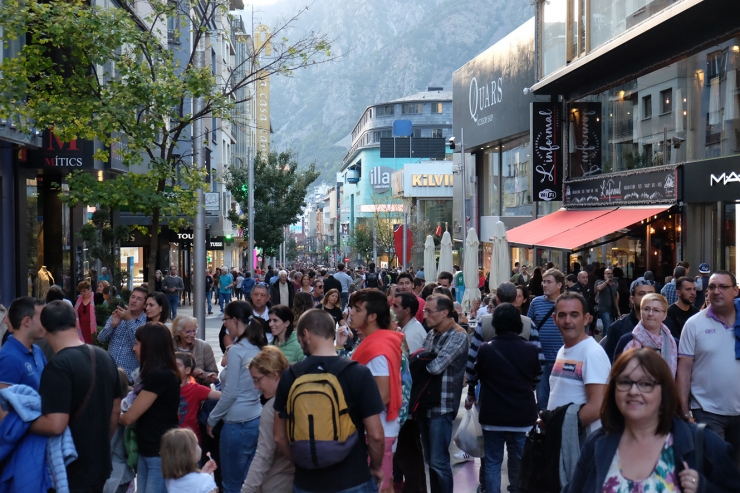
x,y
361,239
387,214
103,241
291,250
105,74
279,196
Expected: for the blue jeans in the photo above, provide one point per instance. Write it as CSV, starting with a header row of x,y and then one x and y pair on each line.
x,y
605,315
149,475
174,301
345,300
493,443
223,298
208,299
436,435
370,487
543,387
238,445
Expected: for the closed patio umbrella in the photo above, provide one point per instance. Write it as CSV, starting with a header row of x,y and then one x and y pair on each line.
x,y
470,270
430,260
501,258
445,255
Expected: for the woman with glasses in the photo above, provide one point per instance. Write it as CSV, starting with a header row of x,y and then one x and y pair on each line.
x,y
651,332
270,471
184,330
239,406
644,444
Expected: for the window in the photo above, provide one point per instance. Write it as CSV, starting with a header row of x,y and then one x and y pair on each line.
x,y
412,109
647,107
665,101
554,15
384,110
213,132
437,108
377,135
436,133
417,133
213,61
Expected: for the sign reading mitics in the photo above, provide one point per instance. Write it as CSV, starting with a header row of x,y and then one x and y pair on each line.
x,y
75,154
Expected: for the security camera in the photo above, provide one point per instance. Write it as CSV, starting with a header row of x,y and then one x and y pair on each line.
x,y
452,142
527,90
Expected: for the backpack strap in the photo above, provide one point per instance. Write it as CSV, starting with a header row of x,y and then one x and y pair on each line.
x,y
549,314
82,407
699,447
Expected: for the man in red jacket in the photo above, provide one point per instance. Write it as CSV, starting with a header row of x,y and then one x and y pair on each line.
x,y
380,352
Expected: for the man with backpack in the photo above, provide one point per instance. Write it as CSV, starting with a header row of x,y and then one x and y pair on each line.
x,y
380,352
372,280
327,415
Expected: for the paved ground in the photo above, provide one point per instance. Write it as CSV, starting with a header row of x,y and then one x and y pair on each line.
x,y
465,473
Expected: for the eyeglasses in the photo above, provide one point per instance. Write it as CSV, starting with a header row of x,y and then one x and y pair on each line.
x,y
257,380
427,311
721,287
189,332
649,310
644,386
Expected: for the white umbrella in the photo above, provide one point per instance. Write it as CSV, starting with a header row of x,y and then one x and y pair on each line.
x,y
500,260
445,255
430,260
470,270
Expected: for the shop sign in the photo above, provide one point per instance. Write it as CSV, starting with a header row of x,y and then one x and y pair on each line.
x,y
712,180
72,155
547,150
380,178
651,186
215,243
585,130
487,97
428,179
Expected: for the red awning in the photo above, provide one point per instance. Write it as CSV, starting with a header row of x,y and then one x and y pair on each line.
x,y
534,232
567,230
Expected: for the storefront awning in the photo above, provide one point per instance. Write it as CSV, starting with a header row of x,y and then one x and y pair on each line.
x,y
569,229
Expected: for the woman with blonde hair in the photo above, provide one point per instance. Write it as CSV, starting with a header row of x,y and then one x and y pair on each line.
x,y
332,303
184,330
651,332
180,455
270,471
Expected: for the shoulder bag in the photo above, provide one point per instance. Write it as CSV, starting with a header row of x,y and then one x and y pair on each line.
x,y
82,407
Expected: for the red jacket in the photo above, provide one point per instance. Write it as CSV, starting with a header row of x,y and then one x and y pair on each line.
x,y
386,343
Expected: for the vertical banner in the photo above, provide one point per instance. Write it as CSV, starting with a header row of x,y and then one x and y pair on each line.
x,y
584,136
547,151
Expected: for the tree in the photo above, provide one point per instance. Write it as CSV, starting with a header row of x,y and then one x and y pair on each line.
x,y
291,250
361,240
279,196
101,73
103,242
387,212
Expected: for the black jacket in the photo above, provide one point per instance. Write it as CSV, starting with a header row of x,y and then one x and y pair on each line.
x,y
506,397
275,293
623,326
721,473
331,283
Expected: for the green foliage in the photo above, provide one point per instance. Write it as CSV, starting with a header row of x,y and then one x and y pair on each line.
x,y
94,72
279,196
361,239
103,241
291,249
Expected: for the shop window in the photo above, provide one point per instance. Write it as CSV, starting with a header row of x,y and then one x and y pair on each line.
x,y
665,101
647,107
515,174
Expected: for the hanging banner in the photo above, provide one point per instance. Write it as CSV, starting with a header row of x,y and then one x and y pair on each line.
x,y
637,187
547,151
584,139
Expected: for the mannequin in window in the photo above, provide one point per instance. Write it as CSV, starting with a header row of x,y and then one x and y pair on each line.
x,y
43,282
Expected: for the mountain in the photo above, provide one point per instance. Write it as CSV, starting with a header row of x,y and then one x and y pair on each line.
x,y
389,48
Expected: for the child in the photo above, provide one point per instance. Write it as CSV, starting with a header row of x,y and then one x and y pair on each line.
x,y
192,394
180,454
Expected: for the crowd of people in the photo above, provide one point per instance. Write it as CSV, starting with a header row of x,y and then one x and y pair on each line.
x,y
350,381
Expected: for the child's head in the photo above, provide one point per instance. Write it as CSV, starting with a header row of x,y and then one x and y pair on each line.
x,y
185,364
123,381
180,453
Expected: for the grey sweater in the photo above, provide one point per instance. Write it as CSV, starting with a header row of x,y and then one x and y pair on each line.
x,y
239,401
170,282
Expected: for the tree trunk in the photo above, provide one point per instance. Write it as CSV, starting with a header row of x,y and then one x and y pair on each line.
x,y
153,250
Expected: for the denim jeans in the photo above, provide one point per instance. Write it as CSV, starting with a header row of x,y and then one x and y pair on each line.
x,y
436,435
223,299
605,315
174,301
493,443
149,475
543,387
345,300
208,299
238,444
370,487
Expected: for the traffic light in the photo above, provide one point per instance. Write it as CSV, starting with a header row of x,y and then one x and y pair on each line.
x,y
228,237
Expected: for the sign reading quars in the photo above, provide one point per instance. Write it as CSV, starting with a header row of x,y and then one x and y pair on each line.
x,y
432,180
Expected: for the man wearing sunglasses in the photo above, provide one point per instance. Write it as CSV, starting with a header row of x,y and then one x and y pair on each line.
x,y
318,293
709,362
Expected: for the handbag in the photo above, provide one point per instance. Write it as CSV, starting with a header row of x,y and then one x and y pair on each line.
x,y
426,389
533,466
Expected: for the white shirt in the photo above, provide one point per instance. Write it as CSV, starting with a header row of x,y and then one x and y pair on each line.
x,y
266,317
378,366
575,367
415,335
194,482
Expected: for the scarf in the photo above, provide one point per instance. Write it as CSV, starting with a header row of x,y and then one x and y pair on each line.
x,y
385,343
666,344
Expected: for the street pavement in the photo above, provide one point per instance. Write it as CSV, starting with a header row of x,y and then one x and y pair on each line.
x,y
465,473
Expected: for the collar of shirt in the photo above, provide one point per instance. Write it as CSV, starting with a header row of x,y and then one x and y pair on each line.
x,y
21,347
710,313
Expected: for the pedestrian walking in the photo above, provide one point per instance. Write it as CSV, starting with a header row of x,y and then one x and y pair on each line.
x,y
282,291
173,286
225,281
683,309
607,300
85,310
345,280
284,337
209,291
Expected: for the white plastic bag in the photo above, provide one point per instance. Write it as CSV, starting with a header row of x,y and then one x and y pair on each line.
x,y
599,326
469,436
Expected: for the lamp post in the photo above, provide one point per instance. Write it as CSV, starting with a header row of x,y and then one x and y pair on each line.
x,y
199,228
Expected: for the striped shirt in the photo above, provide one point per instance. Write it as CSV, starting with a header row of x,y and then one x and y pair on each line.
x,y
549,335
